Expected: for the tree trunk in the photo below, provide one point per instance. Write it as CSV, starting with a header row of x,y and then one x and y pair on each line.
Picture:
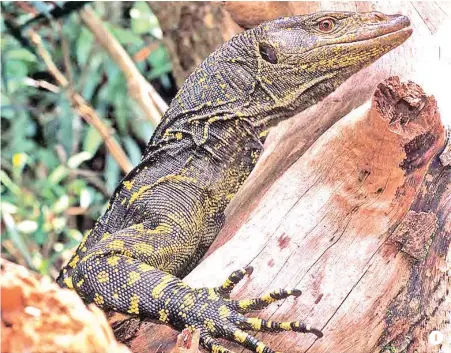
x,y
356,213
191,31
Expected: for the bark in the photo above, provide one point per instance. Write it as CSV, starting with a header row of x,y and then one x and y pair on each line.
x,y
39,316
191,31
355,212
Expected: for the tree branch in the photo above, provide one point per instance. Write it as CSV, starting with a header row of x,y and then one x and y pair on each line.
x,y
82,107
140,90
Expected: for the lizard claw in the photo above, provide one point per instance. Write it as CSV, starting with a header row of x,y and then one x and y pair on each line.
x,y
218,316
226,288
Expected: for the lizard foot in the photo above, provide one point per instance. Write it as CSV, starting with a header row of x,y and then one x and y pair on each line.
x,y
217,316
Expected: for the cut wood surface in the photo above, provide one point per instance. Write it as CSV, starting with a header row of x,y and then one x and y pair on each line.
x,y
356,213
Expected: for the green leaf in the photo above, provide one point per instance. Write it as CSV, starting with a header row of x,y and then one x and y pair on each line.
x,y
85,198
160,61
83,45
16,71
125,36
5,180
61,205
122,112
43,8
58,174
112,174
48,157
143,129
133,150
16,237
142,19
22,55
77,159
65,119
95,72
92,140
27,226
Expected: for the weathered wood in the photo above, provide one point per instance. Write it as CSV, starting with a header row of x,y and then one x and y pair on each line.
x,y
312,216
420,59
187,342
361,222
39,316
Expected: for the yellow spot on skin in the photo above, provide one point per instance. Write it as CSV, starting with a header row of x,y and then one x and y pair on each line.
x,y
224,311
133,277
139,227
103,277
98,299
260,347
116,296
85,238
175,178
240,336
263,133
80,283
227,284
134,301
116,245
158,290
244,304
128,184
188,301
285,326
255,323
74,261
210,325
113,260
163,315
68,282
268,299
178,136
105,236
143,248
145,267
212,294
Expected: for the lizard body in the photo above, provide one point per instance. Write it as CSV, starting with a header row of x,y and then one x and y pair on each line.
x,y
168,210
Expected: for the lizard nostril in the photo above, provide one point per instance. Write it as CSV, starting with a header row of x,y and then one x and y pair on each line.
x,y
378,16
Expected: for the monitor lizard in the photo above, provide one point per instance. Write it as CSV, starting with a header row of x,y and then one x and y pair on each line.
x,y
167,211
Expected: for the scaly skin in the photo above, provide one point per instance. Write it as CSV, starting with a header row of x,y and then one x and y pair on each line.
x,y
167,211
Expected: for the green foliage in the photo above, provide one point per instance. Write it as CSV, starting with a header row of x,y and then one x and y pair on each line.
x,y
56,173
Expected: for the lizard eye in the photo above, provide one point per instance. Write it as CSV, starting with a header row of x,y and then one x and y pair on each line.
x,y
268,53
327,25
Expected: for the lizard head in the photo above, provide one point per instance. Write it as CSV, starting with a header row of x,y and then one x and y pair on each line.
x,y
301,59
281,67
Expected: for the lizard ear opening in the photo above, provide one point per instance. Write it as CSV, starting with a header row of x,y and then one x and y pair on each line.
x,y
267,52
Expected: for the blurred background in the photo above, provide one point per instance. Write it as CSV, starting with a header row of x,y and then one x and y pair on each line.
x,y
56,175
58,167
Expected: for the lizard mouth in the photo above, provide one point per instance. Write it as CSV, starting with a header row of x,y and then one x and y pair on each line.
x,y
389,33
395,29
383,38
